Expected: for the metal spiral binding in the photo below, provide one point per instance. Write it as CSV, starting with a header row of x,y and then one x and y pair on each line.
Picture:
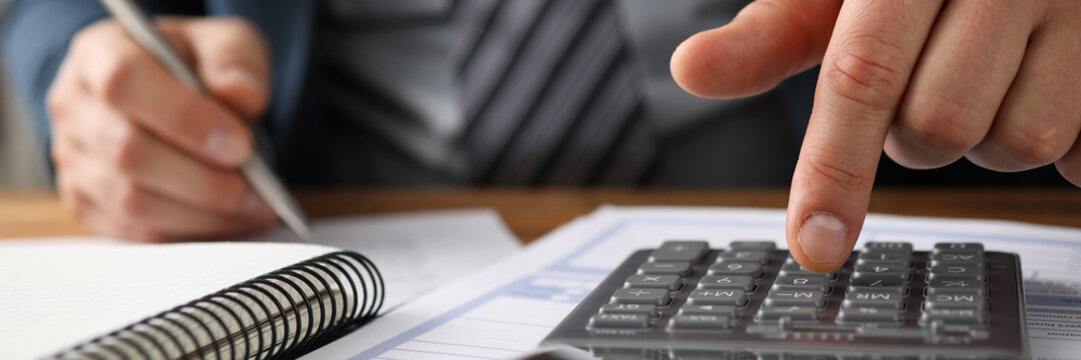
x,y
251,320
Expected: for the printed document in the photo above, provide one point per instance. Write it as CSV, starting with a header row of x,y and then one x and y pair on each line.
x,y
508,308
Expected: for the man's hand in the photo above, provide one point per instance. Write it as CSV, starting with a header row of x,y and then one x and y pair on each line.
x,y
996,82
140,155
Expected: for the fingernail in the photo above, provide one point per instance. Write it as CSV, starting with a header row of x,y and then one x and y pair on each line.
x,y
224,147
824,238
244,77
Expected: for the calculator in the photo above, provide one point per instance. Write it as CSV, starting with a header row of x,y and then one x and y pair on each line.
x,y
751,300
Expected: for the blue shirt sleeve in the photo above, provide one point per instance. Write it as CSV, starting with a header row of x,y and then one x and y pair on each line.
x,y
36,34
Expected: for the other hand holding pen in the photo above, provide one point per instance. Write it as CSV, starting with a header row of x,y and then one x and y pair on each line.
x,y
140,155
930,81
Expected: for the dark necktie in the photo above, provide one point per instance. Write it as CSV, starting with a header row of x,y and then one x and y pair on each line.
x,y
551,93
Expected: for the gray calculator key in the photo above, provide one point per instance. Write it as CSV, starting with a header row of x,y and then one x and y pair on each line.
x,y
784,298
956,272
955,286
796,282
879,257
881,271
794,313
641,296
680,251
728,310
717,297
957,258
739,282
888,246
619,321
736,268
865,315
760,257
670,282
665,268
955,301
952,316
949,247
899,290
700,322
877,283
767,246
641,309
874,299
793,269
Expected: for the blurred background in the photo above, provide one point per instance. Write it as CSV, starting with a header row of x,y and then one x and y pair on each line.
x,y
21,164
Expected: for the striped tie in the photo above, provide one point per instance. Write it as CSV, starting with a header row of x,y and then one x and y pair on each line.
x,y
551,94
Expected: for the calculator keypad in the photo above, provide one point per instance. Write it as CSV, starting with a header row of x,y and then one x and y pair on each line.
x,y
754,293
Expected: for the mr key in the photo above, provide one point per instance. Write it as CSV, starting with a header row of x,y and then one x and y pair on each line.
x,y
687,300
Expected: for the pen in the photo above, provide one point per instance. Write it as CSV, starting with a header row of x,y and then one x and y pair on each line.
x,y
132,19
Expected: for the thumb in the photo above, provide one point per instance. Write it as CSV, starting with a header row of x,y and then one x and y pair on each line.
x,y
230,58
768,41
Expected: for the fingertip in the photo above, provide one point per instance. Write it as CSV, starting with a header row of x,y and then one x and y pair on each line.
x,y
821,242
716,64
230,146
766,42
241,89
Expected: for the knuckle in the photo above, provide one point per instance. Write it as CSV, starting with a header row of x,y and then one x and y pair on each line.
x,y
68,195
60,154
840,175
239,27
91,36
56,103
1037,145
127,147
117,73
943,125
131,202
868,71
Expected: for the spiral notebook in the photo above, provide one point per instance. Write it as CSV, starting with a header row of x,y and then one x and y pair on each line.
x,y
197,300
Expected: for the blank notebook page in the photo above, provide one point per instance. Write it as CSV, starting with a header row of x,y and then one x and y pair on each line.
x,y
55,296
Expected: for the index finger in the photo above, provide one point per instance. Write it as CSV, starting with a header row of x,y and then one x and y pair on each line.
x,y
865,71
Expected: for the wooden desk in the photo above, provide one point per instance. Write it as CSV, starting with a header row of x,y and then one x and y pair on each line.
x,y
532,213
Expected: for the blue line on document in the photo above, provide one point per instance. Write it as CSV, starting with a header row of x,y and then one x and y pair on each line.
x,y
449,354
506,322
471,346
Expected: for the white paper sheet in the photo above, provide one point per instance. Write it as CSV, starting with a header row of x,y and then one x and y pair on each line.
x,y
417,252
56,292
508,308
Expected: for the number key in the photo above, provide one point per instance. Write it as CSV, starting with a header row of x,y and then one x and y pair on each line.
x,y
878,257
795,282
737,268
739,282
